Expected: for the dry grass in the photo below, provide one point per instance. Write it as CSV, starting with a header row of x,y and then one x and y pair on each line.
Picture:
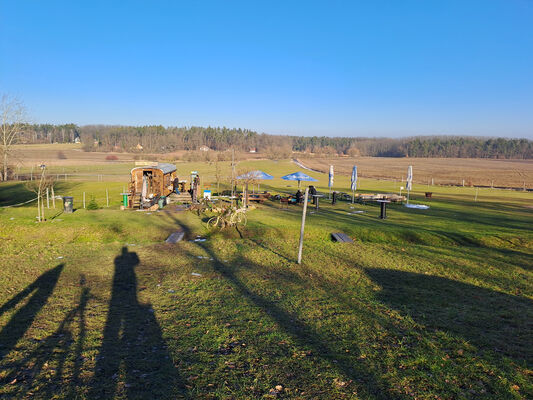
x,y
443,171
67,154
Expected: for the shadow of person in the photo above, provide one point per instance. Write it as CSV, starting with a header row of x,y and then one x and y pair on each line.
x,y
19,323
491,320
133,360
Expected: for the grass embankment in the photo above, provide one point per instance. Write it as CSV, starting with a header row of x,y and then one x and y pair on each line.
x,y
426,304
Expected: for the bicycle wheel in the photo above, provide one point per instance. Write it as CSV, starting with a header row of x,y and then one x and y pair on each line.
x,y
213,222
239,219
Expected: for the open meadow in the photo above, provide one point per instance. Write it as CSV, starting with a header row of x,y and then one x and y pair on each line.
x,y
443,171
427,304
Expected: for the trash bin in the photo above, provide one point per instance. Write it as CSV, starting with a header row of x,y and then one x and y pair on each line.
x,y
68,204
125,199
161,202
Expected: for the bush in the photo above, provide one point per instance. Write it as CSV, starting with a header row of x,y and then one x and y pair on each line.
x,y
111,157
93,205
61,155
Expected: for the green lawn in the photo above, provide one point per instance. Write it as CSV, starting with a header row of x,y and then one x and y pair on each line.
x,y
433,304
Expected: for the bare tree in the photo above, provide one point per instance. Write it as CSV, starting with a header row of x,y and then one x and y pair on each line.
x,y
39,187
13,118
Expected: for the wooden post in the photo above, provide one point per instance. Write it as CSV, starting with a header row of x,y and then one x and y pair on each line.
x,y
432,182
303,226
492,184
47,198
107,197
83,199
463,183
31,175
39,205
53,198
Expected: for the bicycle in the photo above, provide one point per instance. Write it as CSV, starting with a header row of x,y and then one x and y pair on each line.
x,y
229,216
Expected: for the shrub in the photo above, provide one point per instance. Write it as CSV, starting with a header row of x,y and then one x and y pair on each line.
x,y
111,157
93,205
61,155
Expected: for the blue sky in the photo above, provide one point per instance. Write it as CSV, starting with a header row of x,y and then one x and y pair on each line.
x,y
355,68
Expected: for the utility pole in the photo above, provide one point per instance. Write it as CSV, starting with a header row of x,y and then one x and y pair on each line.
x,y
232,173
300,248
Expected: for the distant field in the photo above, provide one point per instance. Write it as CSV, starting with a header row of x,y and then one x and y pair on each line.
x,y
61,154
443,171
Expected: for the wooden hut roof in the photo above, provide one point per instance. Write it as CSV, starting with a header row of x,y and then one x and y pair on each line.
x,y
166,168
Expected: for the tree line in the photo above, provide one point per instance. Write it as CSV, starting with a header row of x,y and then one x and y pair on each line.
x,y
158,139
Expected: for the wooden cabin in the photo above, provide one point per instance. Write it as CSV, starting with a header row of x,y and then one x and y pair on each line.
x,y
150,182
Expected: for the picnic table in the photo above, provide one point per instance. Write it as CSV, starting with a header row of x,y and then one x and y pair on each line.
x,y
383,203
258,197
316,198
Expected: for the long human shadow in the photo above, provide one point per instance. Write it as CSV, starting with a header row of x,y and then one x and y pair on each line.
x,y
133,350
491,320
40,290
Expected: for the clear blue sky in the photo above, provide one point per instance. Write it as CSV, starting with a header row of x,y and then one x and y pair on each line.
x,y
354,68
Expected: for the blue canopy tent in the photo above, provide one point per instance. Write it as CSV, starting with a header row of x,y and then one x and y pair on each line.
x,y
255,176
298,176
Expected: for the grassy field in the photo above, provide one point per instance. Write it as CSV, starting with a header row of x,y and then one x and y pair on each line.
x,y
443,171
428,304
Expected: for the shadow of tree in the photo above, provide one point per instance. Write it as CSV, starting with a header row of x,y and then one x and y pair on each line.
x,y
56,350
491,320
370,384
40,290
17,192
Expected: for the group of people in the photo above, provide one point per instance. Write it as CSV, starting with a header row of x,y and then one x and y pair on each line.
x,y
300,196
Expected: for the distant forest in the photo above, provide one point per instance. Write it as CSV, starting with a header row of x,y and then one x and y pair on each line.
x,y
158,139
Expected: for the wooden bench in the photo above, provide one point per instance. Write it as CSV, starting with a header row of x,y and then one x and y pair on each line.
x,y
258,197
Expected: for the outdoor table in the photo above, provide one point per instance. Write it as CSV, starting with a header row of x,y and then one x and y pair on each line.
x,y
317,196
383,203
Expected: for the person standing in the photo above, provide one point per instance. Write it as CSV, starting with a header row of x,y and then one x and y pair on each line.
x,y
312,192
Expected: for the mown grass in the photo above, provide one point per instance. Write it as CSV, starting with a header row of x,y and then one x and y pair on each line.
x,y
426,304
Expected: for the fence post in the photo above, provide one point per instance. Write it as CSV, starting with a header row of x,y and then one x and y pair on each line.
x,y
47,198
303,226
83,199
107,197
53,198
